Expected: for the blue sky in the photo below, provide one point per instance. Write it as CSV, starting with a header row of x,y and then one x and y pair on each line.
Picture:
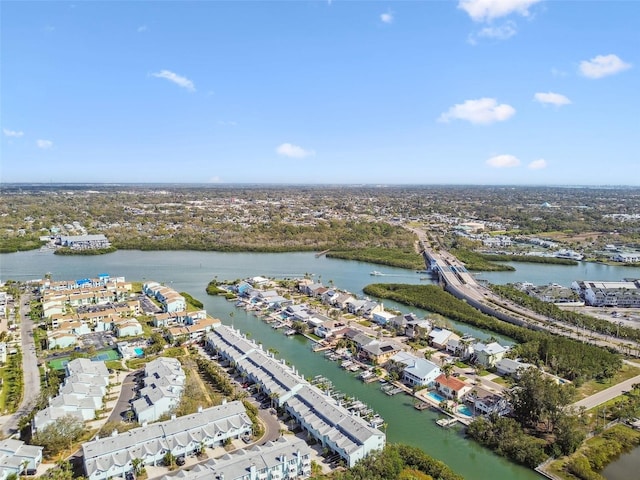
x,y
416,92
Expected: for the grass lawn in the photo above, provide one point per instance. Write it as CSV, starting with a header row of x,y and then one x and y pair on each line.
x,y
594,386
502,381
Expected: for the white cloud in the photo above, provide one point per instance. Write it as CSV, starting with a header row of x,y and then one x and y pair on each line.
x,y
502,32
184,82
551,98
487,10
293,151
482,111
602,66
387,17
44,144
503,161
143,28
538,164
12,133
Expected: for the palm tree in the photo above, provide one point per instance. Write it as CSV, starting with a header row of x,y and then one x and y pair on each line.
x,y
447,368
137,464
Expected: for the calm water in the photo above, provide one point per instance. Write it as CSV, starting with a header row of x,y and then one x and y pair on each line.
x,y
191,271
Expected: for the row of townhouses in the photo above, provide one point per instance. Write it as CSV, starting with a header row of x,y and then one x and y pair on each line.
x,y
113,456
278,460
324,419
17,458
609,294
170,300
80,395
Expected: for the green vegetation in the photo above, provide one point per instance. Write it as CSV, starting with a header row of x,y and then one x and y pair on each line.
x,y
13,382
252,412
59,435
213,289
394,257
507,438
476,262
216,376
539,426
395,462
574,318
601,450
19,243
566,357
86,252
528,259
192,301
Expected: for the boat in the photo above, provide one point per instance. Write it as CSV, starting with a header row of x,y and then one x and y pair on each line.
x,y
290,332
376,273
445,422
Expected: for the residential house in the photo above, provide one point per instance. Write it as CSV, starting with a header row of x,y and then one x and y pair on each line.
x,y
488,354
485,402
417,371
127,327
461,347
507,366
438,337
382,317
378,352
452,387
61,339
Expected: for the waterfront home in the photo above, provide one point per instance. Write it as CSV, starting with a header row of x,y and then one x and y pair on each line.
x,y
83,242
18,458
329,296
508,366
170,300
488,354
328,329
451,387
418,328
486,402
438,337
417,371
382,317
278,459
342,300
163,385
378,352
113,456
320,415
333,426
371,308
626,257
166,319
400,322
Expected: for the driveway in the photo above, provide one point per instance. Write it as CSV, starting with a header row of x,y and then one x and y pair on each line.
x,y
127,393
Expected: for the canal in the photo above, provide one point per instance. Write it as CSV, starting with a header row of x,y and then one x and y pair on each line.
x,y
191,271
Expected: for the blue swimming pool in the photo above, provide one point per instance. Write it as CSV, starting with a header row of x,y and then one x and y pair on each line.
x,y
464,410
139,351
434,396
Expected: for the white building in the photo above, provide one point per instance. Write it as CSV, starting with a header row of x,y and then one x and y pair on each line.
x,y
417,371
163,385
18,458
112,456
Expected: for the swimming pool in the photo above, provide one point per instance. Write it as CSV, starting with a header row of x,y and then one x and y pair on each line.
x,y
434,396
464,410
139,352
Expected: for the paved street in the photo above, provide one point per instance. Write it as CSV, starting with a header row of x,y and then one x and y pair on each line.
x,y
29,366
606,395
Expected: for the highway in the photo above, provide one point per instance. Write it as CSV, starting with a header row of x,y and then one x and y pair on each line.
x,y
460,283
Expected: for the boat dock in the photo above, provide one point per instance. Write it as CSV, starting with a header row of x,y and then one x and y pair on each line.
x,y
446,422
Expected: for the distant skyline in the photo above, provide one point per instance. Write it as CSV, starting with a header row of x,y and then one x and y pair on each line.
x,y
489,92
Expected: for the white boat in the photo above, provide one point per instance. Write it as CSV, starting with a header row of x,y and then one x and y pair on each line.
x,y
376,273
290,332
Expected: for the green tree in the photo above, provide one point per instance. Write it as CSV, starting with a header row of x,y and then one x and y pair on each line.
x,y
59,435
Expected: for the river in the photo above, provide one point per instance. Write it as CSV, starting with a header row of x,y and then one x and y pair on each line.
x,y
191,271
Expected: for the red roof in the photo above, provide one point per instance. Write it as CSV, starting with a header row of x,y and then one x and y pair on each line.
x,y
452,382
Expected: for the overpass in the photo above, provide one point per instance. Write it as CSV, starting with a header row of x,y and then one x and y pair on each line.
x,y
456,280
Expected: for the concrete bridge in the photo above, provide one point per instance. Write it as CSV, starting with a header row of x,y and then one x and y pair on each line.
x,y
456,280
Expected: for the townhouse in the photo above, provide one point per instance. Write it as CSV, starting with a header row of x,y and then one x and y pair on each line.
x,y
321,416
163,386
113,456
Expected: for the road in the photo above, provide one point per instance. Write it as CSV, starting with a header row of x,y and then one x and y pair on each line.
x,y
462,284
30,370
606,395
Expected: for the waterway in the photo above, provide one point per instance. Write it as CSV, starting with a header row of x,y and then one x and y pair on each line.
x,y
191,271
